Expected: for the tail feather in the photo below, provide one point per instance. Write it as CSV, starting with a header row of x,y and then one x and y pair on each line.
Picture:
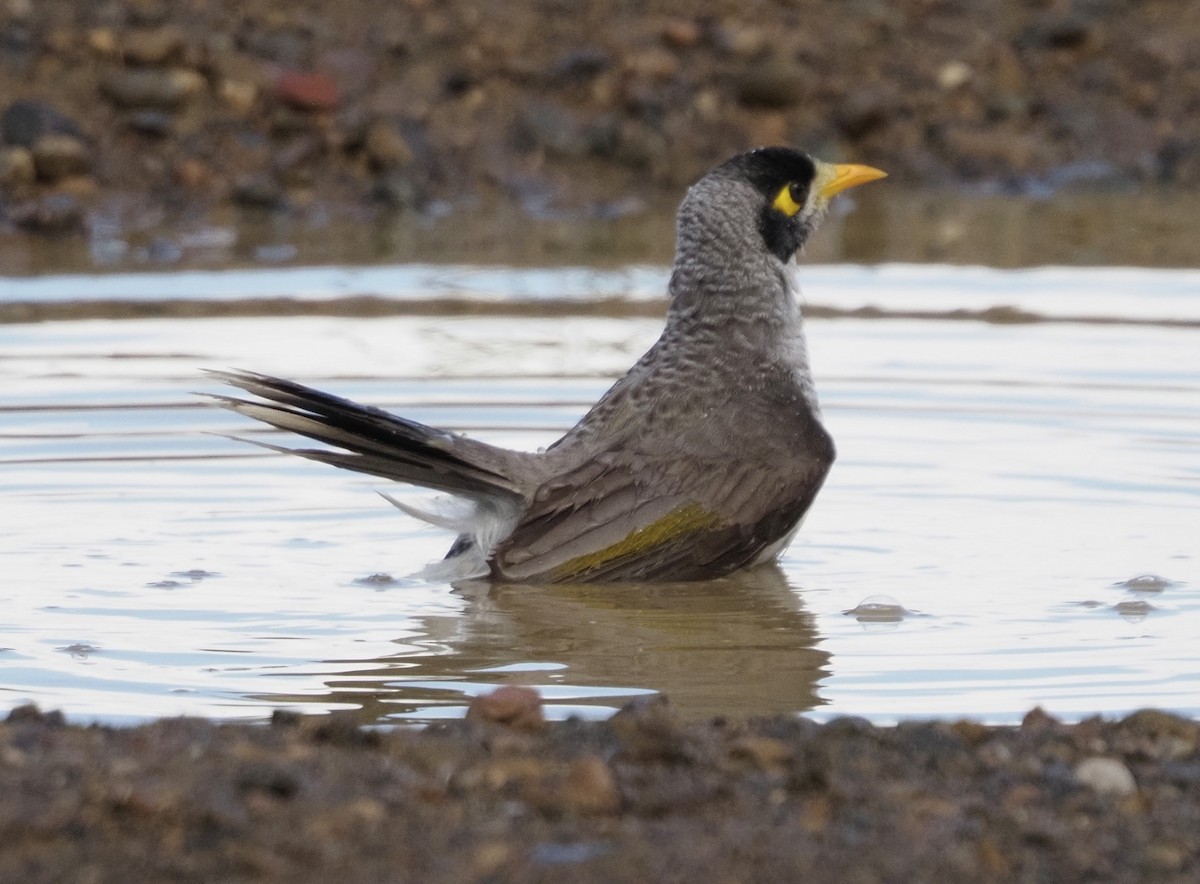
x,y
372,440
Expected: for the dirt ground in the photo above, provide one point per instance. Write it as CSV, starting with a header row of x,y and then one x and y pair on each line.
x,y
643,796
154,110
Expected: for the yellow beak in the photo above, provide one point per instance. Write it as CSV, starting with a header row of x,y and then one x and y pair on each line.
x,y
848,175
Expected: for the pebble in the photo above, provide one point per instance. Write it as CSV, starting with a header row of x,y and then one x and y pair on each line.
x,y
258,190
152,88
589,787
238,95
386,148
953,74
26,120
307,92
512,705
53,213
681,33
102,41
16,168
775,83
60,156
156,123
1108,776
152,46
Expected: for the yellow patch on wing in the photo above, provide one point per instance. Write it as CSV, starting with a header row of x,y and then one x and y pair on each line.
x,y
680,522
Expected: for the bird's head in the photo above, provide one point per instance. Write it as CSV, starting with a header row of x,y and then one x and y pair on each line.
x,y
767,201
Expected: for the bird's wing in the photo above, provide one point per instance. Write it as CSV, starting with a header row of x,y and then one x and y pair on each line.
x,y
685,518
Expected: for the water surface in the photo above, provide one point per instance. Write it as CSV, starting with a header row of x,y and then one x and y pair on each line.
x,y
998,484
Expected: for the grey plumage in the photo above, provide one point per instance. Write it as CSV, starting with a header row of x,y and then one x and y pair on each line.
x,y
701,460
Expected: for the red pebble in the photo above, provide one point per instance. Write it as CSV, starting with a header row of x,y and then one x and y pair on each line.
x,y
310,92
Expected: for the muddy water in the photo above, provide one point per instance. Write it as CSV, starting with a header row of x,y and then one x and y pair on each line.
x,y
1001,488
997,485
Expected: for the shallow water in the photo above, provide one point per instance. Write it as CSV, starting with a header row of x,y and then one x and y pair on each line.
x,y
997,483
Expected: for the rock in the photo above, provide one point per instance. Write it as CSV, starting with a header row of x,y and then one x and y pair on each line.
x,y
60,156
54,213
397,190
152,46
553,128
681,33
307,92
953,74
589,787
146,13
16,168
155,123
103,42
742,41
238,95
1108,776
1057,31
655,64
192,173
776,83
152,88
386,148
863,112
294,160
764,753
258,190
26,120
511,705
578,66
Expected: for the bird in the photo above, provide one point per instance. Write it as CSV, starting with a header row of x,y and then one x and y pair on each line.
x,y
701,461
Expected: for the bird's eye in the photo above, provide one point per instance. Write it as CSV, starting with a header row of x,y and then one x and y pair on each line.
x,y
790,199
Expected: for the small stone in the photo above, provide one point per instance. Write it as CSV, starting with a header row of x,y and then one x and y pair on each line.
x,y
60,156
150,46
386,148
397,190
743,41
1108,776
54,213
26,120
863,112
102,41
590,787
152,88
655,64
763,752
238,95
775,83
146,13
1164,858
953,74
681,33
556,129
155,123
578,66
1038,720
258,190
16,168
307,92
512,705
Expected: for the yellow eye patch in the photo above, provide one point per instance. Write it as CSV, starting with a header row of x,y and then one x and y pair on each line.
x,y
785,202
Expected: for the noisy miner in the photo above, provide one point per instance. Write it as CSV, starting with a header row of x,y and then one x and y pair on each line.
x,y
702,460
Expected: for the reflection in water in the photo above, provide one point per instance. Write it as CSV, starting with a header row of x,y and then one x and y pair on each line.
x,y
708,646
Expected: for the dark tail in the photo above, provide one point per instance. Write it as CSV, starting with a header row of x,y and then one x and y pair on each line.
x,y
374,441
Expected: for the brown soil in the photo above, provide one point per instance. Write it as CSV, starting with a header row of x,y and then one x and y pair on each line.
x,y
640,797
156,110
